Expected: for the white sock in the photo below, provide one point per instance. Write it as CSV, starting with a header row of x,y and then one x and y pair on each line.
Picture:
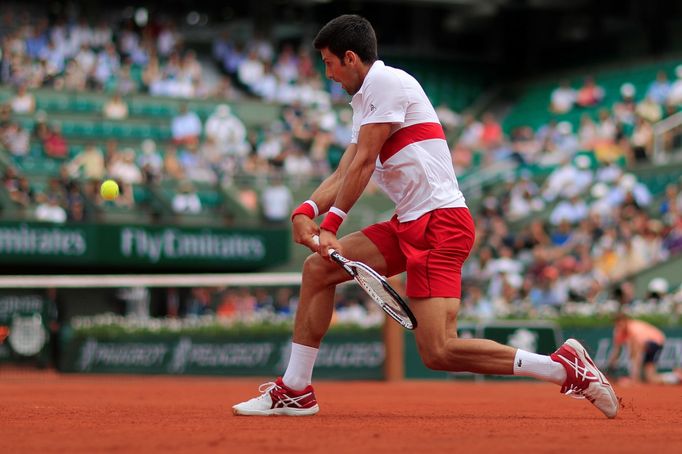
x,y
542,367
299,373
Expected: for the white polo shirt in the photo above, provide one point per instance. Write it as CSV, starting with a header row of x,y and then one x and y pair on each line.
x,y
414,167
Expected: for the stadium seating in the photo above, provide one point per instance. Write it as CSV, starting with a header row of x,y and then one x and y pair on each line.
x,y
531,107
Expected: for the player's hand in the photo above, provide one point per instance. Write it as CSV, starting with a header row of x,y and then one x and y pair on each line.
x,y
303,230
328,241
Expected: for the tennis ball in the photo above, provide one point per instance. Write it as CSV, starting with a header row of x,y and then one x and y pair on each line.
x,y
109,190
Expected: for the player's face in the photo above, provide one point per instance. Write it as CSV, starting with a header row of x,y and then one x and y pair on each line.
x,y
345,71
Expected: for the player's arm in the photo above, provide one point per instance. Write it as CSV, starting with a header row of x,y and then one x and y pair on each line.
x,y
370,140
304,227
613,357
325,194
636,359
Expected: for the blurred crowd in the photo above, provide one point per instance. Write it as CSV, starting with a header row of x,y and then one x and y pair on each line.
x,y
121,56
241,304
622,131
564,242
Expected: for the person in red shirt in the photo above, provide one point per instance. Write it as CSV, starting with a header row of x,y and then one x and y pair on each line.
x,y
54,144
645,343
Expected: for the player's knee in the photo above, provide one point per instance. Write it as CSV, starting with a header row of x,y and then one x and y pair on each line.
x,y
318,270
435,358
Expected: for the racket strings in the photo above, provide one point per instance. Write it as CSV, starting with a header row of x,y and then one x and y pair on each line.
x,y
378,293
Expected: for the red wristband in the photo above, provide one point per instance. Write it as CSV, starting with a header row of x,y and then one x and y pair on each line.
x,y
308,208
333,220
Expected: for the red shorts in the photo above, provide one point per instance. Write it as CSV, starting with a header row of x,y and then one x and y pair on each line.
x,y
431,248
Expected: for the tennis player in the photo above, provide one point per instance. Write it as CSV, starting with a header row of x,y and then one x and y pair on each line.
x,y
398,140
645,343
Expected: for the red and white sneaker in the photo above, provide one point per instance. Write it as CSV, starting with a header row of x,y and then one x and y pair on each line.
x,y
278,399
583,378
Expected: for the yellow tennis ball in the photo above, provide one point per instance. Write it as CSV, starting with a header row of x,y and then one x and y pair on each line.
x,y
109,190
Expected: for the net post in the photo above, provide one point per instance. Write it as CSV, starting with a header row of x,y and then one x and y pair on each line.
x,y
394,341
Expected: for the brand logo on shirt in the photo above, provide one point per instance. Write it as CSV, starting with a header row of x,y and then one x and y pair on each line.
x,y
372,108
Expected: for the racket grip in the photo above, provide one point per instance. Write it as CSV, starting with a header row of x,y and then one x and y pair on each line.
x,y
316,240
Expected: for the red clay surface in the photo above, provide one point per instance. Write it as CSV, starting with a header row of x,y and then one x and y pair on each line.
x,y
47,412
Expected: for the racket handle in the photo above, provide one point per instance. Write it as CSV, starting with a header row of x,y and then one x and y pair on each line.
x,y
316,240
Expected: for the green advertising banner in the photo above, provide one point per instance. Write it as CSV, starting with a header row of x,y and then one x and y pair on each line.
x,y
341,356
155,247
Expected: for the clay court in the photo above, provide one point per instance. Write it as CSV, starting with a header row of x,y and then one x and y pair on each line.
x,y
47,412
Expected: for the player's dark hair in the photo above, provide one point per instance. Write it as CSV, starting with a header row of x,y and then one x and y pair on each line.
x,y
348,32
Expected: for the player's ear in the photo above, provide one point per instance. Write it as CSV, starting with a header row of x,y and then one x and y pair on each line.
x,y
349,57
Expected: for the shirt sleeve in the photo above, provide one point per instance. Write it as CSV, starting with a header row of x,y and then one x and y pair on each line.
x,y
384,100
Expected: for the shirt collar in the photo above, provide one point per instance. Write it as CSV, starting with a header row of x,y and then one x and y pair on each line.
x,y
376,66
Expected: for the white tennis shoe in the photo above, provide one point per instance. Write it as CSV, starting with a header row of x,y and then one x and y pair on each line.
x,y
583,378
278,399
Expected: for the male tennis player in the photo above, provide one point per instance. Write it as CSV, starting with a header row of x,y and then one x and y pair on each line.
x,y
398,140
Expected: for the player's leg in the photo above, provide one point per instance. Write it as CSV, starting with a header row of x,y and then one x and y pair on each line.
x,y
436,246
570,366
292,394
652,351
441,349
316,304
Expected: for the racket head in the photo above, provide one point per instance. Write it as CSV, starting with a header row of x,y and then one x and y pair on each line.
x,y
376,287
383,294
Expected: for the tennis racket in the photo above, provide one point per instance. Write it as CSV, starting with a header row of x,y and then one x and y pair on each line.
x,y
376,287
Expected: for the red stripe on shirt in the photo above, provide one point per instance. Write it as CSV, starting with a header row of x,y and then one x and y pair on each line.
x,y
410,134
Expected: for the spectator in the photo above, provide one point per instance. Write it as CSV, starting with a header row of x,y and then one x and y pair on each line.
x,y
675,92
23,102
624,110
546,294
568,179
186,127
563,97
649,110
199,303
89,164
491,132
659,90
196,166
49,210
277,201
590,94
642,141
22,193
150,162
572,211
251,70
115,108
587,133
124,170
227,132
171,165
54,143
561,146
448,117
186,200
76,207
298,164
16,139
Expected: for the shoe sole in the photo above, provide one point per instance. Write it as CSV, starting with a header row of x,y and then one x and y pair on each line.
x,y
585,357
277,411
